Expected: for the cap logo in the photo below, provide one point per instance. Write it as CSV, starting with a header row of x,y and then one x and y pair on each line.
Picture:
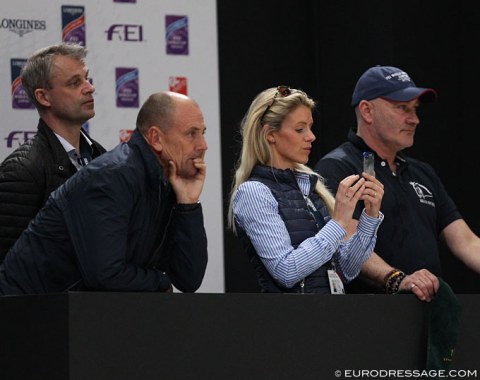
x,y
399,75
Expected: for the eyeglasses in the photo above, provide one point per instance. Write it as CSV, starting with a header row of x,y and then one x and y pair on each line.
x,y
283,91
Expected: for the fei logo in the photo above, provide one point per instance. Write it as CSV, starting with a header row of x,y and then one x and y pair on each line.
x,y
19,136
125,32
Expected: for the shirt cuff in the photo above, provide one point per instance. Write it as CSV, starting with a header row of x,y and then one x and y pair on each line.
x,y
187,206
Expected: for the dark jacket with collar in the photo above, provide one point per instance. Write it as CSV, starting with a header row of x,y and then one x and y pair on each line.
x,y
27,177
300,223
114,226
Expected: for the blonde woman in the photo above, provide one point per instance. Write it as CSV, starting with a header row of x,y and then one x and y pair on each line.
x,y
299,237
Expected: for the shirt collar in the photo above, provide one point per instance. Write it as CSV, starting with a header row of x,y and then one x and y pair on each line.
x,y
69,147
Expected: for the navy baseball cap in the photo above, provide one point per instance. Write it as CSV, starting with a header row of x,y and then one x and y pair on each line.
x,y
389,83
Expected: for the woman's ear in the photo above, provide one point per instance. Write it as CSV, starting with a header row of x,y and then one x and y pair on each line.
x,y
268,134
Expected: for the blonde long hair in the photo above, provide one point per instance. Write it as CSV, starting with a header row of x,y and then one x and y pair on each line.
x,y
268,108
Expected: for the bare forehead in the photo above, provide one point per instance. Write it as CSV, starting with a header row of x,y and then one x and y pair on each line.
x,y
188,113
67,65
61,60
186,105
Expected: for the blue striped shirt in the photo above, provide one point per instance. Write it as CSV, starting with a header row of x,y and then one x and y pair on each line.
x,y
256,212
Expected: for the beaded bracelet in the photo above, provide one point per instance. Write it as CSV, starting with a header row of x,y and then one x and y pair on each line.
x,y
393,280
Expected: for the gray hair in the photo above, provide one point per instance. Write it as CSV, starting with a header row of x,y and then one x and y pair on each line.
x,y
37,71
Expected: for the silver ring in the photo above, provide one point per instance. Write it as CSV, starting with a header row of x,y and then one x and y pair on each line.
x,y
412,286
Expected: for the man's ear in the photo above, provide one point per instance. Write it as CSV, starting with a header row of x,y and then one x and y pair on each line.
x,y
42,97
365,108
155,137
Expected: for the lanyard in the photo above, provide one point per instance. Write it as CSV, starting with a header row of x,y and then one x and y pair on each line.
x,y
315,213
319,221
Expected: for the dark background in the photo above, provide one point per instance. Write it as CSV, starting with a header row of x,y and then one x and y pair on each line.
x,y
323,47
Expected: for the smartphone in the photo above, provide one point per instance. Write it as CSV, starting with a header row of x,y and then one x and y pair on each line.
x,y
368,163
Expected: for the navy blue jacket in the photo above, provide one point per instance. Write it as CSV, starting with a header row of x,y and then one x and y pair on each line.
x,y
114,226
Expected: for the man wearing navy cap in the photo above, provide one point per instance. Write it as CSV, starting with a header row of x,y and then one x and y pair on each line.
x,y
418,210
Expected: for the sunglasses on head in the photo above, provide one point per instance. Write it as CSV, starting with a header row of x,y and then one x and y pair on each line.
x,y
282,91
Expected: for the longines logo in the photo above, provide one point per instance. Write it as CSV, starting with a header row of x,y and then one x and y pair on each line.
x,y
22,26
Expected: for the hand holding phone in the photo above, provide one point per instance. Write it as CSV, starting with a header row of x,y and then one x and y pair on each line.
x,y
368,163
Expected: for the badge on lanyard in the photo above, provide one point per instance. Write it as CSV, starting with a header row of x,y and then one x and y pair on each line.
x,y
336,284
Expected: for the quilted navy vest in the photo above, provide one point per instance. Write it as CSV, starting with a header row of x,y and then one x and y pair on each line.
x,y
300,223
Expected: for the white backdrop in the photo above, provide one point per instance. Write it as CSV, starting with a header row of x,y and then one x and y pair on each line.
x,y
124,35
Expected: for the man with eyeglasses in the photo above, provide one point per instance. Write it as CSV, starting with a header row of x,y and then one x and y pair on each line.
x,y
56,81
418,210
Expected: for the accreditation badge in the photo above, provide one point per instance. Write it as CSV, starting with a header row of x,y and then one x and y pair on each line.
x,y
336,284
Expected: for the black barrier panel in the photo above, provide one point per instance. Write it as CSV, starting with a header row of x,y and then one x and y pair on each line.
x,y
143,336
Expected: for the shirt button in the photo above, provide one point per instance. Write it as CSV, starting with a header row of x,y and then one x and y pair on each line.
x,y
383,163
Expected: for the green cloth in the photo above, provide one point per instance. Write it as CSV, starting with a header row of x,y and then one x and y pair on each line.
x,y
443,326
